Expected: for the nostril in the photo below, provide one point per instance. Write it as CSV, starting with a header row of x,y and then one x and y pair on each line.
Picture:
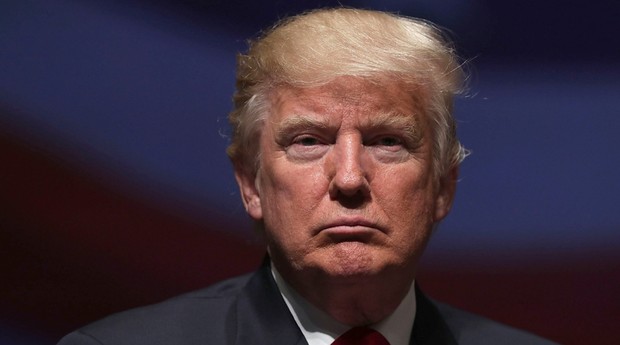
x,y
351,201
349,186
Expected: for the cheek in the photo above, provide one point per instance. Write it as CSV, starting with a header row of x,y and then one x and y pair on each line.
x,y
412,219
289,195
292,182
409,202
404,186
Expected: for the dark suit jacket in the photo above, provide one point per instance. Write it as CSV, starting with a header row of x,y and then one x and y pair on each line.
x,y
250,310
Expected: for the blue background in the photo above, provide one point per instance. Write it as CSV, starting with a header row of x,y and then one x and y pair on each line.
x,y
136,94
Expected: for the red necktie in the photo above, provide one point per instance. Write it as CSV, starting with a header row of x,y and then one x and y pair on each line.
x,y
361,336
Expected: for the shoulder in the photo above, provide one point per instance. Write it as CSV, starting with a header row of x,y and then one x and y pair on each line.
x,y
203,315
469,328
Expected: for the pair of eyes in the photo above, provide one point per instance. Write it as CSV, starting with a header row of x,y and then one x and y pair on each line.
x,y
383,141
387,148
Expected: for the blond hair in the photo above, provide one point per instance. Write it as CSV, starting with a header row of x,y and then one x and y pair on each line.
x,y
314,48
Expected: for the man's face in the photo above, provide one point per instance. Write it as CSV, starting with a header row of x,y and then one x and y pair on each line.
x,y
345,185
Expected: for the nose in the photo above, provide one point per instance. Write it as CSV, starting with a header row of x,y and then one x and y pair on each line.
x,y
349,172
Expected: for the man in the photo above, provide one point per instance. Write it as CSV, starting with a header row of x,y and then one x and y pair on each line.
x,y
345,152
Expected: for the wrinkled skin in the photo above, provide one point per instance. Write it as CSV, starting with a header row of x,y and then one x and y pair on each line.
x,y
346,192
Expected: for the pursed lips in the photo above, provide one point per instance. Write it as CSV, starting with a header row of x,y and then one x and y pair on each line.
x,y
351,227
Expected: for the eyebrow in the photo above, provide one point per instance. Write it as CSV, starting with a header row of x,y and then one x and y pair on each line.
x,y
298,123
408,123
392,119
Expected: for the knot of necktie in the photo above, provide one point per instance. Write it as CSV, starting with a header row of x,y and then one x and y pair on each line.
x,y
361,336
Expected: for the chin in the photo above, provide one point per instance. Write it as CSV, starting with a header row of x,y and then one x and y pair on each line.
x,y
353,260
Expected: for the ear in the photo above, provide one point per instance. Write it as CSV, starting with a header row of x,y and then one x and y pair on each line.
x,y
249,192
445,194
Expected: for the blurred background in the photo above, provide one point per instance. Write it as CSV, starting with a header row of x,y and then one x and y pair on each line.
x,y
115,190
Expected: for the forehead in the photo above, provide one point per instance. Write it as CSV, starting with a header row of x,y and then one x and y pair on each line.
x,y
346,97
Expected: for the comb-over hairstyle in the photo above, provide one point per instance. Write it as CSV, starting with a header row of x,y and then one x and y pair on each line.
x,y
314,48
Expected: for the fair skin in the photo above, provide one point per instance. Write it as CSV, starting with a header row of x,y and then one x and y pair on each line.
x,y
347,195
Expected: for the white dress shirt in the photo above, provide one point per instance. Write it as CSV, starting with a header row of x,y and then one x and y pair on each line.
x,y
321,329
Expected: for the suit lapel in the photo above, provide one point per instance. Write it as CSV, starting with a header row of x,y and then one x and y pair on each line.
x,y
262,314
429,327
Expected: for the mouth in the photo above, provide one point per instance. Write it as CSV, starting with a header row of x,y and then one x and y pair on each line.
x,y
351,229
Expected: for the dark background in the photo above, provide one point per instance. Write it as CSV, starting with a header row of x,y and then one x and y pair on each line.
x,y
115,190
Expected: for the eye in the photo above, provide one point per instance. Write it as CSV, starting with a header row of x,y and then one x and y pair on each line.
x,y
306,140
388,147
389,141
306,147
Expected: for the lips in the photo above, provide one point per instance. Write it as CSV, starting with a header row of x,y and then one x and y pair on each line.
x,y
351,226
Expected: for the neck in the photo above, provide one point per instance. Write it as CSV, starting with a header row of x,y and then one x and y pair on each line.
x,y
354,301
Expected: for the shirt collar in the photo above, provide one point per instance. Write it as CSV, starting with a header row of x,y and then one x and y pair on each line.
x,y
321,329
